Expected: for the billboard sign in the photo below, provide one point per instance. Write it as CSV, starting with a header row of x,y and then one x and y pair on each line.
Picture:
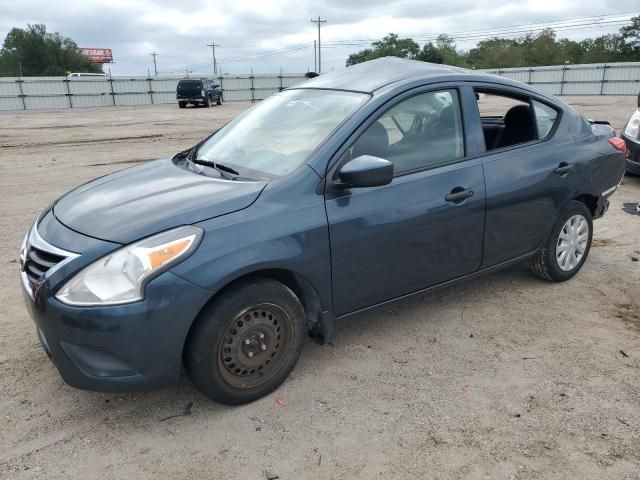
x,y
98,55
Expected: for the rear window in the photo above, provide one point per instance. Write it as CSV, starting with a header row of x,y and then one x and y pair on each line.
x,y
189,84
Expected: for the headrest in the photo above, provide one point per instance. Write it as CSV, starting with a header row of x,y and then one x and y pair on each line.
x,y
519,117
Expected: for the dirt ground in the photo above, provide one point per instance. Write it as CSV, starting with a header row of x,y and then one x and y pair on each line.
x,y
502,377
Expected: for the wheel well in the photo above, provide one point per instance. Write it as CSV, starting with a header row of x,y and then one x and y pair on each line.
x,y
300,286
590,201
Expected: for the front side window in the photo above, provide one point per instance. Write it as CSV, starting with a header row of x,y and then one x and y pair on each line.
x,y
420,132
546,117
278,134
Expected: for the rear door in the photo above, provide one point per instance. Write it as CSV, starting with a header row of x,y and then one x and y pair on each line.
x,y
426,226
530,170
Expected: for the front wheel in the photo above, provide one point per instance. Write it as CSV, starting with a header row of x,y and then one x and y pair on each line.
x,y
182,105
207,102
219,101
246,342
568,245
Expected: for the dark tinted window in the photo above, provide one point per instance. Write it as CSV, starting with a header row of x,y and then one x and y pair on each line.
x,y
189,84
422,131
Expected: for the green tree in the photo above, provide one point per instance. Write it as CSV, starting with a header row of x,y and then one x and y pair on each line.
x,y
431,53
631,33
389,46
531,50
40,53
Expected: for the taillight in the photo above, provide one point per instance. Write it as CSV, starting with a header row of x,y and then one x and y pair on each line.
x,y
618,144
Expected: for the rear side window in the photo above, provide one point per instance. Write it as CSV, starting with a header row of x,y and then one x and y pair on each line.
x,y
507,120
546,118
420,132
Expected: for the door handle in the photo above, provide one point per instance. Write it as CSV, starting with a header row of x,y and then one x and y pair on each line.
x,y
458,195
564,168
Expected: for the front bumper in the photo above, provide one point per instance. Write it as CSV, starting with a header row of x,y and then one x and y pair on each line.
x,y
633,156
136,346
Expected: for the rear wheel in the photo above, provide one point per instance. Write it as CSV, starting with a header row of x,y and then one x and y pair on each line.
x,y
568,245
245,344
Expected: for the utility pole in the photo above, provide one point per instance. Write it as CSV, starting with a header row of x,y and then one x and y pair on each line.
x,y
155,65
315,59
213,46
319,22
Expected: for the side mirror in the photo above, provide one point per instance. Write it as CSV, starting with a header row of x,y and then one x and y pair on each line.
x,y
366,171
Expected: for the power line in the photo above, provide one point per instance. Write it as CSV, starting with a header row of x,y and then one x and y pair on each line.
x,y
319,22
514,30
556,25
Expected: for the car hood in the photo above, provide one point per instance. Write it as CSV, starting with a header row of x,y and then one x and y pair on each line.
x,y
140,201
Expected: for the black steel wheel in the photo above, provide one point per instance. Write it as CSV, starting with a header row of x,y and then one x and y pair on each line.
x,y
255,345
246,342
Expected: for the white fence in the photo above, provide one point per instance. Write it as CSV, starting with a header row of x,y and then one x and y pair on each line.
x,y
29,93
588,79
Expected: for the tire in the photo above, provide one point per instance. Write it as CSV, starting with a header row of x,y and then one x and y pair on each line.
x,y
549,263
219,101
221,363
182,105
207,103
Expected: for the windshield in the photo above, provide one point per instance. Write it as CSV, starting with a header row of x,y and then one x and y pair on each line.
x,y
277,135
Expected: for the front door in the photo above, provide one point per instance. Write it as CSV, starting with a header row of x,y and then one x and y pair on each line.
x,y
426,226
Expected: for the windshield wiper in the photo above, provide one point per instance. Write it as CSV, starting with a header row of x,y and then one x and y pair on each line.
x,y
218,166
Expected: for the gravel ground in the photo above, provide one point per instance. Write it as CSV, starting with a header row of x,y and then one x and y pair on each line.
x,y
501,377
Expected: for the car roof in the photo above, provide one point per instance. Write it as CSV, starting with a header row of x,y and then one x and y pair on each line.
x,y
369,76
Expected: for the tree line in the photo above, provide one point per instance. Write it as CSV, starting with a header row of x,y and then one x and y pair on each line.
x,y
530,50
35,52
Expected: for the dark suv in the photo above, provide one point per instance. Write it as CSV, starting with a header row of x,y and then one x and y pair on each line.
x,y
354,189
198,91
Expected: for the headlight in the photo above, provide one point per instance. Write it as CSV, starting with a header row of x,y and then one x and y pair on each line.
x,y
633,127
202,92
121,276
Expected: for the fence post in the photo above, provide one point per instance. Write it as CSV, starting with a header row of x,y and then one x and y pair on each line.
x,y
150,89
604,74
113,95
24,104
66,80
220,78
564,69
253,90
280,77
530,72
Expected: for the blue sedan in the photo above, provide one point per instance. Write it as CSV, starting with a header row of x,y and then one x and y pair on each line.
x,y
354,189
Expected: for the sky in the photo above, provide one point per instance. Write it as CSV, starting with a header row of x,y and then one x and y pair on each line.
x,y
180,31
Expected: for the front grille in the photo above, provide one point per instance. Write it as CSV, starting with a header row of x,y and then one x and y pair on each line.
x,y
38,262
